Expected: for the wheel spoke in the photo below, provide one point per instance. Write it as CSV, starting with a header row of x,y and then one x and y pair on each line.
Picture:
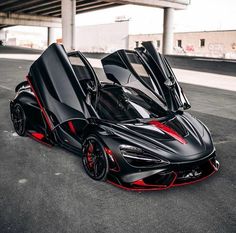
x,y
95,167
18,119
94,160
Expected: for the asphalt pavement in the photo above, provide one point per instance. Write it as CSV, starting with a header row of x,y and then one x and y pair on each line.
x,y
45,190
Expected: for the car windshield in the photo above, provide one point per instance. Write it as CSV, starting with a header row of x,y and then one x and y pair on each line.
x,y
119,103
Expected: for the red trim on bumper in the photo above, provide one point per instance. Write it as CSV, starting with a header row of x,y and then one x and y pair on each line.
x,y
142,186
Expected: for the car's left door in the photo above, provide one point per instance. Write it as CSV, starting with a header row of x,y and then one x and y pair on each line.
x,y
57,89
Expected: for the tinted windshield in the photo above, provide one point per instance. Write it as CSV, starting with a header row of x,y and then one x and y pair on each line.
x,y
117,103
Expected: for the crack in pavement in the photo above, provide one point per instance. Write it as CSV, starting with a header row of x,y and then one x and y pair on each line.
x,y
224,141
6,88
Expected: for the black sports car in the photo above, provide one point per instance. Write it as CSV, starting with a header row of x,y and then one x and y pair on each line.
x,y
131,129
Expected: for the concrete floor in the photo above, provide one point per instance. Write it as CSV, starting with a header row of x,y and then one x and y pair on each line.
x,y
46,189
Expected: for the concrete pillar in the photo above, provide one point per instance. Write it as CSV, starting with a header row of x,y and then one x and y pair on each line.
x,y
51,35
68,9
168,31
2,37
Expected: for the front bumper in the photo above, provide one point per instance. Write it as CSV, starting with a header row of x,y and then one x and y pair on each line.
x,y
176,175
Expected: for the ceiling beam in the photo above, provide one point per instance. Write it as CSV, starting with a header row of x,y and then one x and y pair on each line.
x,y
98,7
52,12
7,2
44,9
94,6
29,20
39,5
88,3
85,6
82,9
19,5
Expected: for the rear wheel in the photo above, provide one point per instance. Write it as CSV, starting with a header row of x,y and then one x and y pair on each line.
x,y
19,119
94,158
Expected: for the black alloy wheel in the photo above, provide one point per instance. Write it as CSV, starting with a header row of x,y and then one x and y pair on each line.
x,y
19,119
94,159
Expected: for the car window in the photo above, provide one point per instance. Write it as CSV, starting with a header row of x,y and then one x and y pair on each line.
x,y
140,69
118,103
80,69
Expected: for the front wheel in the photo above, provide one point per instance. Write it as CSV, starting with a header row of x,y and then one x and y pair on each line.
x,y
94,158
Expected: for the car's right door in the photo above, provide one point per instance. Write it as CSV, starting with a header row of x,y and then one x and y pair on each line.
x,y
148,68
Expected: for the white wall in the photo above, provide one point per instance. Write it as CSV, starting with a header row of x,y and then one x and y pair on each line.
x,y
103,37
2,35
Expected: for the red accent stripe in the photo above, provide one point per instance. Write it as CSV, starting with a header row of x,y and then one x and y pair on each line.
x,y
143,184
110,153
71,126
168,130
134,189
145,188
39,140
38,135
40,105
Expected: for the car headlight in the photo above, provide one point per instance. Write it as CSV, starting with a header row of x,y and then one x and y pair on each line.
x,y
138,157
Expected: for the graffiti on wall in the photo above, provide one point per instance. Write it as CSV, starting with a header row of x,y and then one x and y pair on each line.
x,y
189,48
216,49
184,50
210,50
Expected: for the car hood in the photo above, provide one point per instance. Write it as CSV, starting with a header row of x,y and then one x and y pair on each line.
x,y
179,138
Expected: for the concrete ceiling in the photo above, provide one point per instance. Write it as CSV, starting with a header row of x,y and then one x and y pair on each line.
x,y
53,8
49,8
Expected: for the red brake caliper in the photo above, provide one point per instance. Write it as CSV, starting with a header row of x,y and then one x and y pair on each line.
x,y
89,155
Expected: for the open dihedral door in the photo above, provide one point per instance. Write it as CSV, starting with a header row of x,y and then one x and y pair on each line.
x,y
164,76
57,89
151,70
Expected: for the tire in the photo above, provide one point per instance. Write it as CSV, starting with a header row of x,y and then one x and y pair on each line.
x,y
94,158
19,119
